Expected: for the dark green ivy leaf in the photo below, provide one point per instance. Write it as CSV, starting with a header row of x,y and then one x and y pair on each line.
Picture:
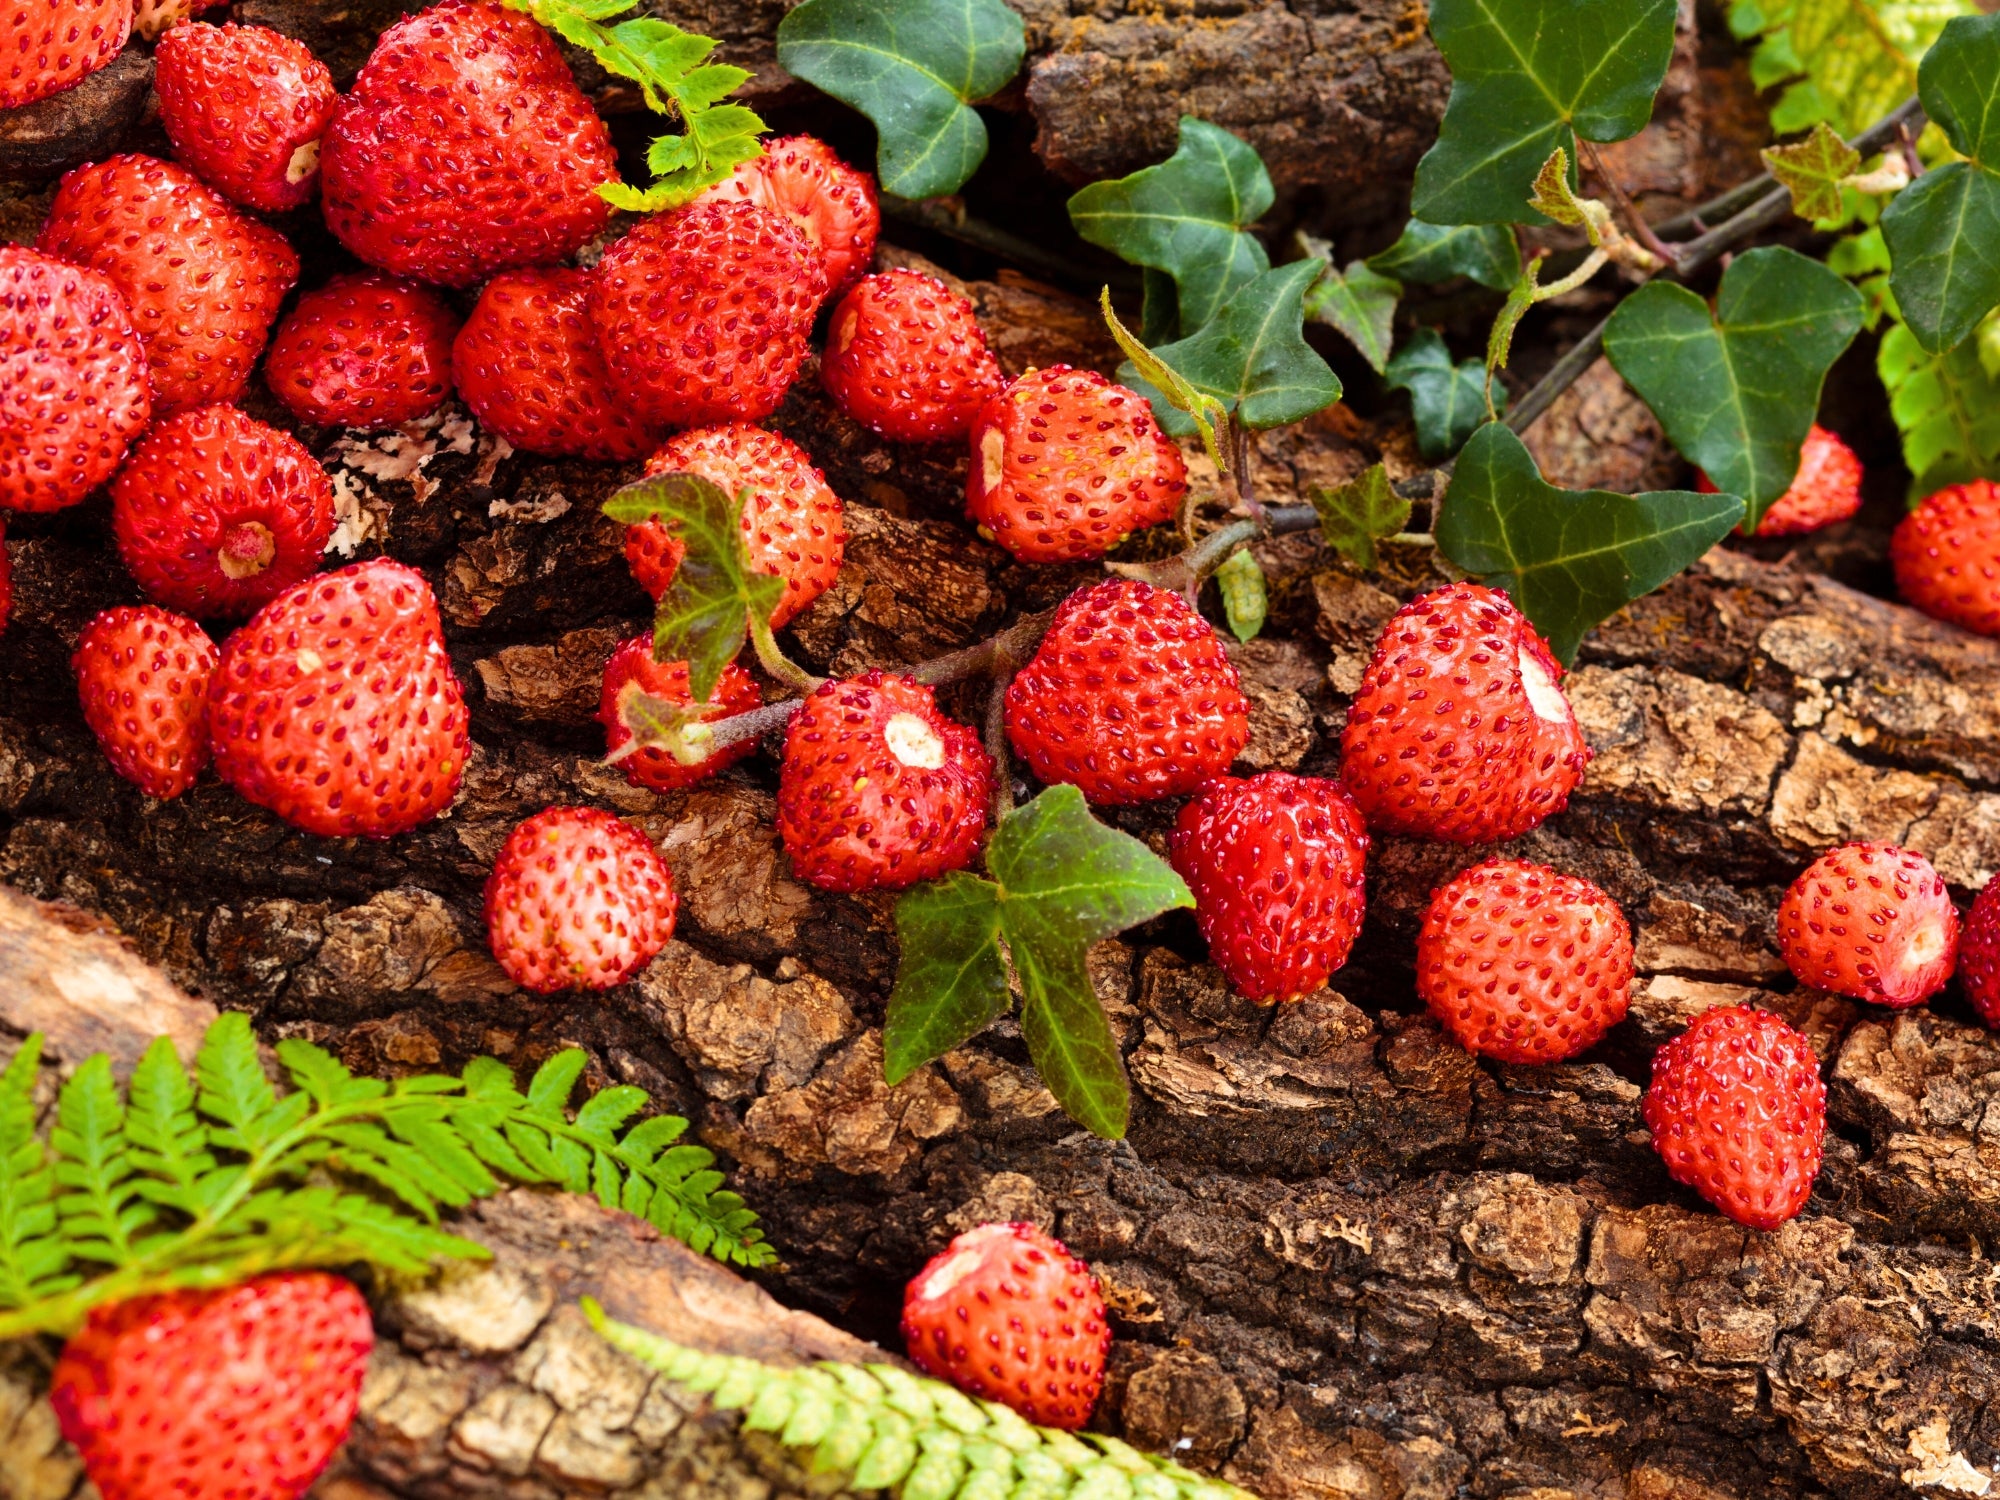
x,y
1356,515
1568,558
1359,302
952,982
1488,253
1448,401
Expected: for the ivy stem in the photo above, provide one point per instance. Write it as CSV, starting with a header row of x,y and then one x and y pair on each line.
x,y
1641,230
996,743
775,662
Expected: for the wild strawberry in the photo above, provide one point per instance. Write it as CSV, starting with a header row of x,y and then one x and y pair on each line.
x,y
708,309
202,280
1946,554
240,1394
577,899
800,178
1459,731
906,357
217,513
528,365
150,18
1275,864
143,673
465,148
47,46
72,381
1130,697
336,706
878,790
245,108
792,524
1827,489
1738,1113
363,351
1872,922
1979,954
1006,1313
1065,464
1523,963
632,669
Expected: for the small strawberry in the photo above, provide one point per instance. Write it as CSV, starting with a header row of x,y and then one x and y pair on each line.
x,y
577,899
336,706
1130,698
1946,554
1275,864
366,351
1523,963
528,365
1979,954
47,46
245,108
1065,464
202,280
1872,922
708,309
73,389
217,513
1827,489
878,790
792,525
632,669
799,177
142,673
906,357
1459,731
1006,1313
151,18
1738,1113
240,1394
464,148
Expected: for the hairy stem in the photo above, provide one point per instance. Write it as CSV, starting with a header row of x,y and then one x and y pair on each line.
x,y
775,662
1634,220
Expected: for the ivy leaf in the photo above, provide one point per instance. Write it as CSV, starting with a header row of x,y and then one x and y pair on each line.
x,y
1568,558
706,613
1853,61
1500,338
952,982
1356,515
1529,76
1813,169
1245,601
1737,391
1188,216
1487,253
1358,301
914,68
1947,407
1447,400
1944,229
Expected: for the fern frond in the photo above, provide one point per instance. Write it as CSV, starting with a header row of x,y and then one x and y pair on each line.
x,y
1947,407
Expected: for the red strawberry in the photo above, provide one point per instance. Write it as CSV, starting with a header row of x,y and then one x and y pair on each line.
x,y
632,669
878,790
143,674
203,281
47,46
906,357
799,177
1979,954
1738,1113
1130,697
792,525
1870,921
72,381
577,899
363,351
1459,731
1523,963
1275,864
245,108
465,148
217,513
1946,554
336,706
528,365
1065,464
240,1394
1006,1313
1827,489
708,309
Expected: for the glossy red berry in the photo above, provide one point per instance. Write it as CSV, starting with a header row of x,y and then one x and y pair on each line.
x,y
245,108
365,351
47,46
1872,922
800,178
905,356
142,674
577,899
1979,954
633,670
1946,554
1827,488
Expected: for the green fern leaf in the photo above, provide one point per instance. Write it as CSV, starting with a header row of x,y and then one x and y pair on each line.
x,y
1848,63
166,1138
97,1194
554,1081
33,1255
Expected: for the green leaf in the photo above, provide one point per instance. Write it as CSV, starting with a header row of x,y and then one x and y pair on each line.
x,y
1853,60
98,1200
1189,217
555,1080
1500,340
233,1088
1569,559
1812,171
167,1140
1359,302
1356,515
1448,401
952,983
1737,392
1529,76
1426,253
1947,407
914,68
1244,599
1944,229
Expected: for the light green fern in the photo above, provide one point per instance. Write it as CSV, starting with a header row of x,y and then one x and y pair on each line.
x,y
1847,62
1947,406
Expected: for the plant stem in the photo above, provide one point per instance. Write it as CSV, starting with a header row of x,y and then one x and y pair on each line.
x,y
996,743
775,662
1641,230
957,224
